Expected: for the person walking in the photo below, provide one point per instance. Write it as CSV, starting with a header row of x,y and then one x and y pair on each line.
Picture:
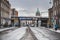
x,y
56,27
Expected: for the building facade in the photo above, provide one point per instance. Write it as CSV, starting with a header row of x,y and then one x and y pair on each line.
x,y
56,11
16,19
4,11
14,14
50,21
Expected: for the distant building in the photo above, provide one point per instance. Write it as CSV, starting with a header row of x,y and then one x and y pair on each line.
x,y
14,14
16,19
38,12
4,11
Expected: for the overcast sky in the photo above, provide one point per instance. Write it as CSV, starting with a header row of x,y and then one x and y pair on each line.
x,y
29,7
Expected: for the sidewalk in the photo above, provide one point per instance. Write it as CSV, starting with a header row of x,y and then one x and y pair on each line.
x,y
3,29
58,31
52,29
15,35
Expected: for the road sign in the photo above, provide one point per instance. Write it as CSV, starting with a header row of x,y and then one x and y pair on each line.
x,y
25,18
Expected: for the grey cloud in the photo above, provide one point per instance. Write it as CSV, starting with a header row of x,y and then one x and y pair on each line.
x,y
27,11
30,5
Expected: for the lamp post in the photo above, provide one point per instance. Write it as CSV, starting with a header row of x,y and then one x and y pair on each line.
x,y
50,3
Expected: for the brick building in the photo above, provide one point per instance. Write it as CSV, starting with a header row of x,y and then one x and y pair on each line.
x,y
16,19
14,15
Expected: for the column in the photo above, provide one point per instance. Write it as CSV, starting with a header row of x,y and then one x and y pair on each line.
x,y
19,22
39,23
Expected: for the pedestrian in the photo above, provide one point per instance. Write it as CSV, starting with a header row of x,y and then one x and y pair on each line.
x,y
56,27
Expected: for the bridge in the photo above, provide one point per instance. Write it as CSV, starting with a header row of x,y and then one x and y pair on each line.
x,y
32,20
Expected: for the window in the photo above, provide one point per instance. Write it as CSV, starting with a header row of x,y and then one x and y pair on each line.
x,y
54,13
57,2
59,10
4,6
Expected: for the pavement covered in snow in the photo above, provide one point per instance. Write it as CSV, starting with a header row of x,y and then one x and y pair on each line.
x,y
45,34
6,29
32,33
15,35
40,36
58,31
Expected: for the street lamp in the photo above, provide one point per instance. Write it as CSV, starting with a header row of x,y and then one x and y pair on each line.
x,y
50,2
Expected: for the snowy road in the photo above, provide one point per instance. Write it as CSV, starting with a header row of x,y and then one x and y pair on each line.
x,y
32,33
29,35
23,33
14,35
45,34
6,31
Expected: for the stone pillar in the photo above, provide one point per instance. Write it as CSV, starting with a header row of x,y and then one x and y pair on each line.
x,y
39,23
19,22
35,23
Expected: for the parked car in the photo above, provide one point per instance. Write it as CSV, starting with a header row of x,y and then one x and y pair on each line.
x,y
32,25
16,24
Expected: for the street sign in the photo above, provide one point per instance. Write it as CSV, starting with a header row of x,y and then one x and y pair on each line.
x,y
25,18
56,17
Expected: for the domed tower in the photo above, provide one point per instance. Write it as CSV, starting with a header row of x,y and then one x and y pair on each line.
x,y
38,12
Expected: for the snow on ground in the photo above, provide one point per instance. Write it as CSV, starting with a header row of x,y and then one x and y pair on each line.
x,y
39,34
6,29
15,35
52,29
58,31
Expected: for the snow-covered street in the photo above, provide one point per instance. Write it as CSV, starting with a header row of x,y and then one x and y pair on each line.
x,y
6,29
15,35
45,34
58,31
39,34
31,33
23,33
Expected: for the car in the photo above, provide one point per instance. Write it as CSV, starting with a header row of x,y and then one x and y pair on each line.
x,y
16,24
32,25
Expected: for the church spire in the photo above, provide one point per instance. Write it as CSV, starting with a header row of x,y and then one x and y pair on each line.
x,y
37,9
38,12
